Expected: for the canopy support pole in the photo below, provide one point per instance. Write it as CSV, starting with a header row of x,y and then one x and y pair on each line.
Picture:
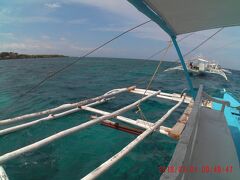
x,y
184,66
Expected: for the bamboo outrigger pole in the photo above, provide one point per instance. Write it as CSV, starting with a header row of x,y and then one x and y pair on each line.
x,y
106,165
3,175
65,106
61,134
163,95
48,118
121,118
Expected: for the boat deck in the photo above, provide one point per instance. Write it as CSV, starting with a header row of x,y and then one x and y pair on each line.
x,y
210,151
206,149
233,118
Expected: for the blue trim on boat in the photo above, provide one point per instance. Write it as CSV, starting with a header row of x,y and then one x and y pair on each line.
x,y
145,9
232,115
184,66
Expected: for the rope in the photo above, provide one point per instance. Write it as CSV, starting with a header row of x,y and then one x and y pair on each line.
x,y
161,50
150,82
199,45
157,69
158,52
203,42
74,62
141,113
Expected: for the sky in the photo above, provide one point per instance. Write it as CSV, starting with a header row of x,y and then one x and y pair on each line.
x,y
74,27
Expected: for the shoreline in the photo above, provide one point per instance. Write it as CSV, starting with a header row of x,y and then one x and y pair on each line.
x,y
13,55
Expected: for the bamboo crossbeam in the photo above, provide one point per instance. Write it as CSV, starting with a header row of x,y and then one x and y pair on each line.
x,y
165,130
121,118
139,122
106,165
69,131
48,118
163,95
64,106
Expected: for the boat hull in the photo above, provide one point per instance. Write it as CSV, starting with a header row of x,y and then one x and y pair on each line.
x,y
232,115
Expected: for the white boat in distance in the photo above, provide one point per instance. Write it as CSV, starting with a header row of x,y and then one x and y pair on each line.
x,y
199,66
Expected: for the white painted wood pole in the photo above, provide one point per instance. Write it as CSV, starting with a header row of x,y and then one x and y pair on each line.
x,y
48,118
106,165
65,106
121,118
3,174
139,122
163,95
69,131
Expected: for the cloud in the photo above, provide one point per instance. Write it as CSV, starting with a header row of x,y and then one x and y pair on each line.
x,y
120,7
29,19
77,21
130,17
45,37
45,45
62,39
7,34
150,31
26,45
53,5
7,16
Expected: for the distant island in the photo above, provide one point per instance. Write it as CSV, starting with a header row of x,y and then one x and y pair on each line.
x,y
13,55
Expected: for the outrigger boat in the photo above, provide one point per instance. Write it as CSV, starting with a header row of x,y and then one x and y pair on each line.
x,y
200,66
208,132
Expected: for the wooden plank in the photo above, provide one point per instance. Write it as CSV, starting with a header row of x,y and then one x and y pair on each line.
x,y
118,126
184,144
178,128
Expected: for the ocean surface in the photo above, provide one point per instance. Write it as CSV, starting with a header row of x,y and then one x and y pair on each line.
x,y
74,156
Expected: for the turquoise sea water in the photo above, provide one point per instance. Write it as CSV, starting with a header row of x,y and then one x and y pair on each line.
x,y
76,155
